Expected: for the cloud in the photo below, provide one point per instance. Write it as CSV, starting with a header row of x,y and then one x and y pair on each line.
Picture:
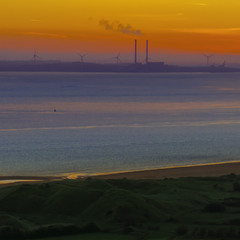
x,y
200,4
119,27
221,31
40,34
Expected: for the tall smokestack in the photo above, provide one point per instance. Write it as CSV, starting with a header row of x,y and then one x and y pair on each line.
x,y
135,52
146,51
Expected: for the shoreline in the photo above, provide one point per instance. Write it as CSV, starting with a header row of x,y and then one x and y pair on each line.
x,y
200,170
13,180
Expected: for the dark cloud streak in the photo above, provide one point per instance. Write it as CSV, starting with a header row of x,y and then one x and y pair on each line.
x,y
119,27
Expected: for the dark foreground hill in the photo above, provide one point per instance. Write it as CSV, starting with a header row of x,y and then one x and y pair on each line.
x,y
186,208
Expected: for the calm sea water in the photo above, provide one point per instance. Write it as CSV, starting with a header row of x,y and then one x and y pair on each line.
x,y
116,122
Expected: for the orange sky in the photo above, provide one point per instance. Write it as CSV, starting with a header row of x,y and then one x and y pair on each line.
x,y
108,26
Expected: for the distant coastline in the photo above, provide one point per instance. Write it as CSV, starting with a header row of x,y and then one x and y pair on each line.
x,y
9,180
201,170
42,66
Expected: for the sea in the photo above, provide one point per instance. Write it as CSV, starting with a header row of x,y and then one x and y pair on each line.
x,y
91,123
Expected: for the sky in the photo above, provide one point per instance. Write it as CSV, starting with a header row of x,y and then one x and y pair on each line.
x,y
99,27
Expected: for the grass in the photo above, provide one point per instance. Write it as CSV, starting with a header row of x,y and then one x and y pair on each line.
x,y
92,237
186,208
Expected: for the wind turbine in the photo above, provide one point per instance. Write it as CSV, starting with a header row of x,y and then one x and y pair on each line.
x,y
82,56
117,58
35,56
208,57
223,64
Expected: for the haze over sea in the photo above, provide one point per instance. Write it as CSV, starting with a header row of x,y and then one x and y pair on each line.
x,y
107,122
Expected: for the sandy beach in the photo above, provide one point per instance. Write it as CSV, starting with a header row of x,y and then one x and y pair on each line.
x,y
207,170
12,180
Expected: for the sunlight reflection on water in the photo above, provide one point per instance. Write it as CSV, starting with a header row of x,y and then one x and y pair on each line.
x,y
116,122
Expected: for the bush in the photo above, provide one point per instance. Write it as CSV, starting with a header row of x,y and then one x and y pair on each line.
x,y
215,208
141,235
236,187
231,233
235,221
181,230
9,232
128,229
54,230
90,228
221,232
202,232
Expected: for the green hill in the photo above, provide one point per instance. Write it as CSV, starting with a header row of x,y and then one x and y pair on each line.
x,y
189,208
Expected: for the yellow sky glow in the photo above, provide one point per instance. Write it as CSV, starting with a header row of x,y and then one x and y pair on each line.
x,y
104,25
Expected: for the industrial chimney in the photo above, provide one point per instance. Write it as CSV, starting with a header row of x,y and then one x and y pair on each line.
x,y
146,51
135,52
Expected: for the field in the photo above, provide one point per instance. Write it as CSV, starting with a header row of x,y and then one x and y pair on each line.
x,y
122,209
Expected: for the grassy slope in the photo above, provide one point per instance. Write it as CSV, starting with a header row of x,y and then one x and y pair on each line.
x,y
143,209
99,236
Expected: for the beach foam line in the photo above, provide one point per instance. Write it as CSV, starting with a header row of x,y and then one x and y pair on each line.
x,y
164,124
85,175
74,128
3,182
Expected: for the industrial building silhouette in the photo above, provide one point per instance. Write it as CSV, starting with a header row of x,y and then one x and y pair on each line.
x,y
148,66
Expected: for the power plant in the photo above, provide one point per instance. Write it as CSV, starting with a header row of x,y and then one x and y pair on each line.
x,y
135,55
149,66
135,61
146,51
